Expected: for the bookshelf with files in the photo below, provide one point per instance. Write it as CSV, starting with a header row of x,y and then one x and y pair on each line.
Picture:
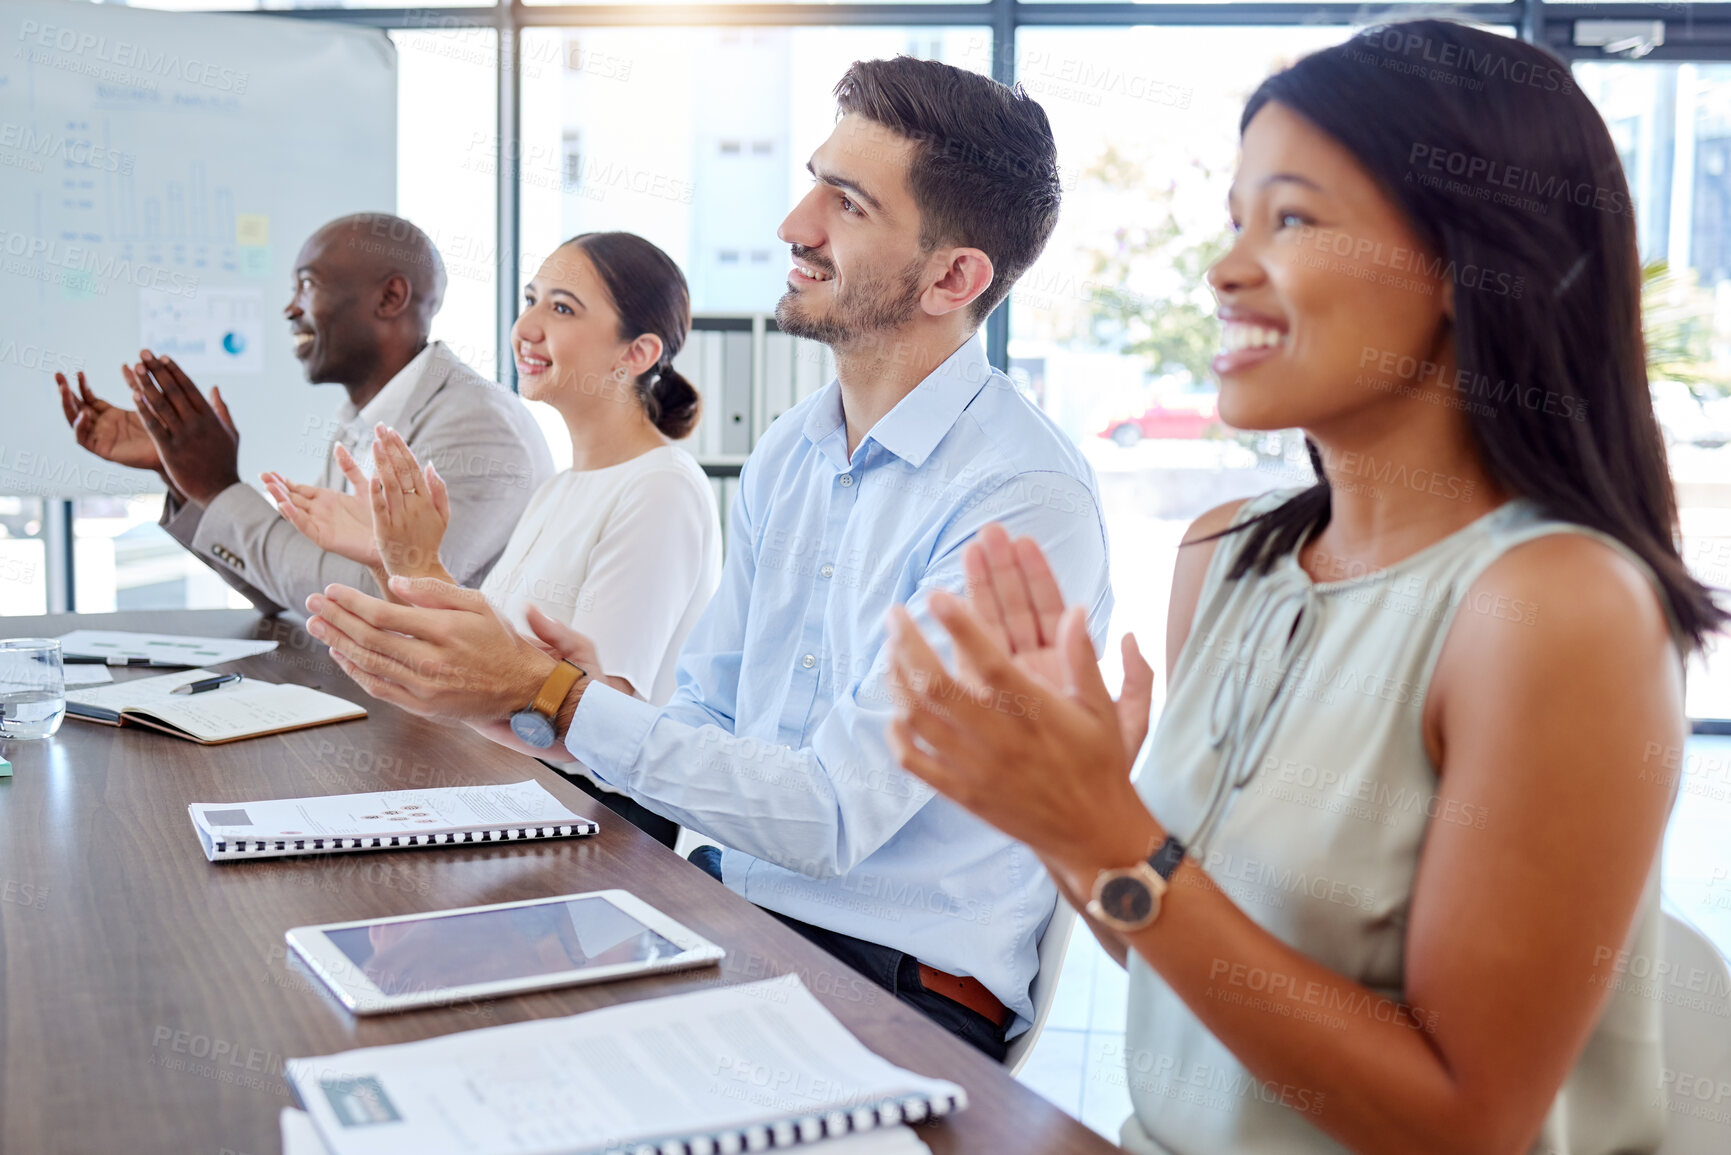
x,y
749,373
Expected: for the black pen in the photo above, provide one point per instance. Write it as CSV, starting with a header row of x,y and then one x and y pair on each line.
x,y
102,660
204,684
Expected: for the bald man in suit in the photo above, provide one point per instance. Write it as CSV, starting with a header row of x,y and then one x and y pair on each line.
x,y
366,290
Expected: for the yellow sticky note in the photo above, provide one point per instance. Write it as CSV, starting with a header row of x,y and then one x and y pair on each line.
x,y
251,229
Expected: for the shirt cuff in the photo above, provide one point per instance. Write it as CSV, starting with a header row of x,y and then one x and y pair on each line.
x,y
608,732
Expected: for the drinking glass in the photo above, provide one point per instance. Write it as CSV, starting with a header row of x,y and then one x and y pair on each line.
x,y
32,688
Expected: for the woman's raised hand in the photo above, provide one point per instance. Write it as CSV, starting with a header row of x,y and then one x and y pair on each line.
x,y
1045,763
1016,601
341,523
410,509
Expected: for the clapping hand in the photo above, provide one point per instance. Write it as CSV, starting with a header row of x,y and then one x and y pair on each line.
x,y
194,437
105,429
411,509
341,523
1015,597
1024,732
435,649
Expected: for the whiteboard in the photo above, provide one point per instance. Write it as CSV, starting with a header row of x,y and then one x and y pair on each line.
x,y
159,172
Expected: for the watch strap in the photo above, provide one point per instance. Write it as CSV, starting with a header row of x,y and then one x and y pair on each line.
x,y
554,689
1168,858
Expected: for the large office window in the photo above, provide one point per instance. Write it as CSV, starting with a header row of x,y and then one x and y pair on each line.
x,y
447,175
125,561
23,558
696,138
1671,123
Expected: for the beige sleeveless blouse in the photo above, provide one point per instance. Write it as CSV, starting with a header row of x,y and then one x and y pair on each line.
x,y
1289,759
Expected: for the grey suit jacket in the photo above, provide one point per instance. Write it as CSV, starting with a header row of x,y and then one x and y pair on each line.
x,y
478,435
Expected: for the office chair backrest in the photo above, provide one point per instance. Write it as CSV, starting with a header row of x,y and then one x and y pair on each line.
x,y
1054,945
1697,1023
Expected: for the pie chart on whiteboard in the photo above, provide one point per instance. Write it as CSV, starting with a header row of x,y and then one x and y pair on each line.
x,y
217,329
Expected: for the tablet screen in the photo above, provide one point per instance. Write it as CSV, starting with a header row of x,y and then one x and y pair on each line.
x,y
456,950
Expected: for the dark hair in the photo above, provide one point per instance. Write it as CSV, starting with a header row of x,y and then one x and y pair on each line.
x,y
650,295
1445,117
985,172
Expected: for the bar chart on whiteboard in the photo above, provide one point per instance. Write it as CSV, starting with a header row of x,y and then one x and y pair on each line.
x,y
159,173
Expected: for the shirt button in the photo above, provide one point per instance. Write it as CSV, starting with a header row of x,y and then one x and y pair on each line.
x,y
826,571
846,480
808,661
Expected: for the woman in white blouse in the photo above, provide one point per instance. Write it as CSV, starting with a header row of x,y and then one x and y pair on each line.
x,y
625,546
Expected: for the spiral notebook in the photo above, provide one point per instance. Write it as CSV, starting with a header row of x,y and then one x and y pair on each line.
x,y
388,820
300,1137
738,1068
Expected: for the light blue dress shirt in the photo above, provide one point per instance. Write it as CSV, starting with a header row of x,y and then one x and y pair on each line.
x,y
774,742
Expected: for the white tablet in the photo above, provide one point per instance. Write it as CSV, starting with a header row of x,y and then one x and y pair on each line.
x,y
482,952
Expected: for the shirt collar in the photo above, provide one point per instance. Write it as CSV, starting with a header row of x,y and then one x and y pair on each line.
x,y
389,401
919,421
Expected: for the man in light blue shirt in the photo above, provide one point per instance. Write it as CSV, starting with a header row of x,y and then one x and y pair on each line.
x,y
923,213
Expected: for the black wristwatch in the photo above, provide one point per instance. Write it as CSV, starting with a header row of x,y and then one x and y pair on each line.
x,y
1128,898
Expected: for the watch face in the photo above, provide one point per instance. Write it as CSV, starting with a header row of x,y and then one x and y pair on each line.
x,y
1127,898
533,728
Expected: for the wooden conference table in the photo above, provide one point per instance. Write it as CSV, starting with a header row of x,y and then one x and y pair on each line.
x,y
147,1001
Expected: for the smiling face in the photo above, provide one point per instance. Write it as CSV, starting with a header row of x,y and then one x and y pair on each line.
x,y
333,338
566,340
858,268
1324,282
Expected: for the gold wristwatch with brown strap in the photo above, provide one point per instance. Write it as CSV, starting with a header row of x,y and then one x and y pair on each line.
x,y
534,723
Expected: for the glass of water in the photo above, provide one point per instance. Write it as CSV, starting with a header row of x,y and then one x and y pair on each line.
x,y
32,688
